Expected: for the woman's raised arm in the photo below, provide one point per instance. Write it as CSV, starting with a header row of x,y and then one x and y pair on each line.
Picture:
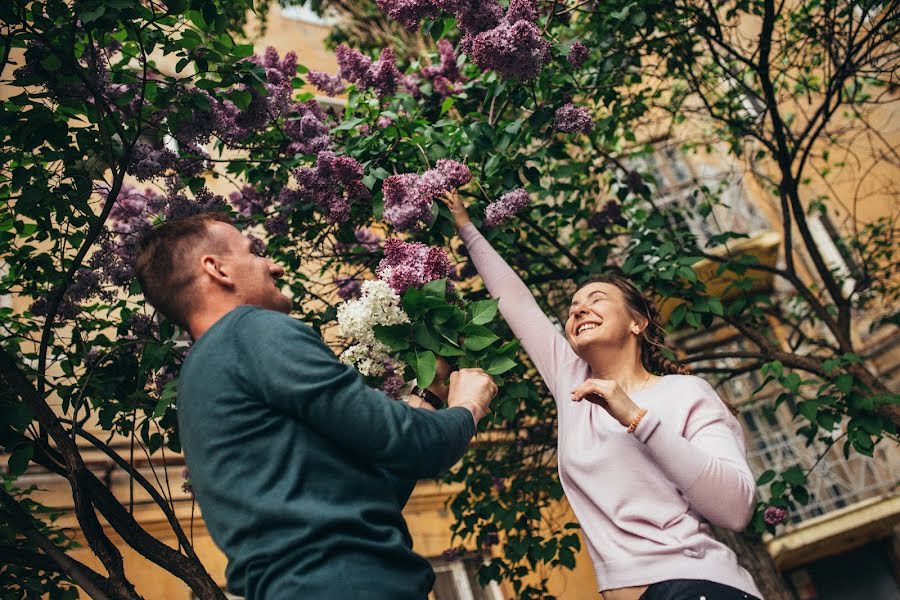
x,y
545,344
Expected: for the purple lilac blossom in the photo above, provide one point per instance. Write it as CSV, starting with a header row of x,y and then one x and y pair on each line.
x,y
515,50
307,129
408,198
411,264
347,287
572,119
233,124
506,206
249,201
635,182
446,68
148,162
366,241
332,185
774,515
393,386
521,10
330,85
610,214
381,75
407,12
578,53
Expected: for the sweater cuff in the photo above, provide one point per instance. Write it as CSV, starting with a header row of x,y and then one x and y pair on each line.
x,y
646,427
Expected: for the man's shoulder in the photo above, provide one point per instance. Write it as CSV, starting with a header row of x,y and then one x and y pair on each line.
x,y
254,317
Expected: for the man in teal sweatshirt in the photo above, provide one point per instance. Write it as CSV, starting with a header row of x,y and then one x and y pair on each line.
x,y
300,469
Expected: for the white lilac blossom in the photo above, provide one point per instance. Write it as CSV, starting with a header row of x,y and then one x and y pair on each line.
x,y
377,305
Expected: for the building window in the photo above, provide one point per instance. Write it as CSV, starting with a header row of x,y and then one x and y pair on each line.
x,y
458,580
835,482
684,189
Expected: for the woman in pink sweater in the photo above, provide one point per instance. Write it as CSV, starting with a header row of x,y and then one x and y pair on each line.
x,y
648,456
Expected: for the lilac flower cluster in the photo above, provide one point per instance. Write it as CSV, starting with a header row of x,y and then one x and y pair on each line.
x,y
366,241
393,381
279,224
610,214
411,264
578,53
331,85
444,76
129,218
509,43
332,185
347,287
186,485
447,66
774,515
249,201
408,198
572,119
148,162
280,73
635,182
86,284
381,75
407,12
305,123
507,205
204,201
307,129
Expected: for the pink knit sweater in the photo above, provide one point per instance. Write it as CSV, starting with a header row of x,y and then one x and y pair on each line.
x,y
644,501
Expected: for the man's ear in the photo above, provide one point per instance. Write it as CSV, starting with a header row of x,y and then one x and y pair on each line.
x,y
215,269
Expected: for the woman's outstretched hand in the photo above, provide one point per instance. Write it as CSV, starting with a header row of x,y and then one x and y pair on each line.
x,y
457,208
610,396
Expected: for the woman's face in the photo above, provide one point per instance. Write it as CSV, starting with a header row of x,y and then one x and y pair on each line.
x,y
599,316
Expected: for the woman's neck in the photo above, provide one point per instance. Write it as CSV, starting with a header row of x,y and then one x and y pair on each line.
x,y
624,368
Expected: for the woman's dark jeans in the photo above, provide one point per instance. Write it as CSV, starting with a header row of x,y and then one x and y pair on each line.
x,y
693,589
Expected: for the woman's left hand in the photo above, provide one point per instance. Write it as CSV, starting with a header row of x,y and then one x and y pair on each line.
x,y
607,394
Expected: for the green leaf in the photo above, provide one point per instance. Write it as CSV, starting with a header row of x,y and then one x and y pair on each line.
x,y
500,365
19,459
425,367
794,476
242,51
478,337
766,477
437,288
395,337
844,383
484,311
425,337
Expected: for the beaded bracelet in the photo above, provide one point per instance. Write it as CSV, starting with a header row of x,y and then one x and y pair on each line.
x,y
636,420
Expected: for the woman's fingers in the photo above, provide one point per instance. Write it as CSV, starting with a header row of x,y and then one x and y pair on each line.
x,y
599,387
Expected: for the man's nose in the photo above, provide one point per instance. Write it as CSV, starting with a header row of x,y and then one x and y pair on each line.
x,y
276,270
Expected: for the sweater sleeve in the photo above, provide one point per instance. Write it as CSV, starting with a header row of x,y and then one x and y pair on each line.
x,y
297,374
708,461
545,344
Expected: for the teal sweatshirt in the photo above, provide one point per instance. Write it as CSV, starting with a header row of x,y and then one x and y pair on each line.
x,y
300,469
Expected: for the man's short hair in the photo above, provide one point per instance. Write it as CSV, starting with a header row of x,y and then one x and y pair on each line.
x,y
164,266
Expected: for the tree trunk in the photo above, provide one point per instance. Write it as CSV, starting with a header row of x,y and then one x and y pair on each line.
x,y
753,556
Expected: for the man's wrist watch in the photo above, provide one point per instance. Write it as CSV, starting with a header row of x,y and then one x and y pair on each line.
x,y
429,397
